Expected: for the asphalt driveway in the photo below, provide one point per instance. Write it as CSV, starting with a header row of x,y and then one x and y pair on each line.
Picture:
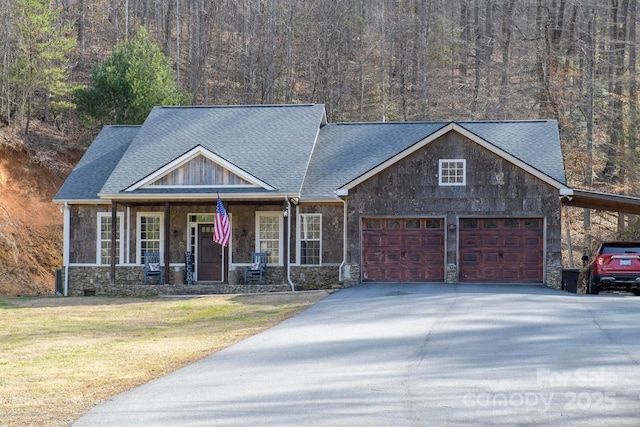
x,y
415,355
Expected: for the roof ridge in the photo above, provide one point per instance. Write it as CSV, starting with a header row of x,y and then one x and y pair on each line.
x,y
236,106
391,123
506,121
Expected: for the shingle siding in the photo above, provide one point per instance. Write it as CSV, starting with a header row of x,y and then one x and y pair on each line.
x,y
411,188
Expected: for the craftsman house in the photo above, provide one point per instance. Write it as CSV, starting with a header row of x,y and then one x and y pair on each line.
x,y
331,204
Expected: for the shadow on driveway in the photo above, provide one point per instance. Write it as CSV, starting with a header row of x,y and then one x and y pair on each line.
x,y
415,355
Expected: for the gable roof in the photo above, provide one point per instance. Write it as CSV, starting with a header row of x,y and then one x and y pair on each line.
x,y
347,154
346,151
270,142
533,142
268,151
97,163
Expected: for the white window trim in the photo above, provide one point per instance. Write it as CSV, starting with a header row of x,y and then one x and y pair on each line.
x,y
279,215
99,240
299,239
192,232
139,216
464,172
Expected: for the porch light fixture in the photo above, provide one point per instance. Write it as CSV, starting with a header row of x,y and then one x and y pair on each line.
x,y
452,226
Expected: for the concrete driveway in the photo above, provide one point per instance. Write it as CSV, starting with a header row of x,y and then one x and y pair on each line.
x,y
415,355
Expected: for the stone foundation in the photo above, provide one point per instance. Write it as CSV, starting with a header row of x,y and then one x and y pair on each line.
x,y
129,281
96,280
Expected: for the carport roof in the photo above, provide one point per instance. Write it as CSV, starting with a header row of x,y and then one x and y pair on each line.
x,y
601,201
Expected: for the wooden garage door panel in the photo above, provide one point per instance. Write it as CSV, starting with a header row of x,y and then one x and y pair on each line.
x,y
396,250
511,274
512,257
490,240
501,250
393,256
412,240
372,240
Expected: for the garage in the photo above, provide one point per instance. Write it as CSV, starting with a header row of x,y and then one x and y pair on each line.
x,y
403,250
501,250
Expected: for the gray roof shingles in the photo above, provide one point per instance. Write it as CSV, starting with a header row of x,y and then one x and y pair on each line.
x,y
288,147
535,142
345,151
272,143
97,163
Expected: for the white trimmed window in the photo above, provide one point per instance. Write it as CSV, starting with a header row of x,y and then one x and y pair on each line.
x,y
310,239
453,171
104,238
149,234
268,235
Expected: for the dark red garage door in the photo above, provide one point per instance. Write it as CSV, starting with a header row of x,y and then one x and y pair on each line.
x,y
501,250
403,250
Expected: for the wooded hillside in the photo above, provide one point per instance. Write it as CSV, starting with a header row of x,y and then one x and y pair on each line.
x,y
366,60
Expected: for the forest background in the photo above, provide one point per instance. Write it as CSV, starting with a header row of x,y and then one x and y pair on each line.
x,y
367,60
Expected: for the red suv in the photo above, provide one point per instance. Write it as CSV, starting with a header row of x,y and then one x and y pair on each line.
x,y
616,267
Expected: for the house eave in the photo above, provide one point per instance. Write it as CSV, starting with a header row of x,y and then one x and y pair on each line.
x,y
80,201
186,197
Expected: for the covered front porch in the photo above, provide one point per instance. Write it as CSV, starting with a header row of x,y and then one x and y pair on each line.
x,y
178,230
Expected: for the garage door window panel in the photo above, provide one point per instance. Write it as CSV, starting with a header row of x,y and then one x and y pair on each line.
x,y
433,223
490,223
412,224
392,224
511,223
372,224
469,223
533,224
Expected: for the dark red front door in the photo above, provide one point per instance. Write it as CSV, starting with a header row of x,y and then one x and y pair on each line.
x,y
209,260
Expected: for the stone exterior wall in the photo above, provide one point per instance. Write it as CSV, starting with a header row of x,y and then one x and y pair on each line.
x,y
96,280
494,187
307,278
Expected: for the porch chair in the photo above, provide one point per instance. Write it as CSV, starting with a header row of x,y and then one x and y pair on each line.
x,y
152,268
257,271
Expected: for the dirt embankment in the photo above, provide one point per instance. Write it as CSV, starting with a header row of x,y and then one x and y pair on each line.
x,y
31,172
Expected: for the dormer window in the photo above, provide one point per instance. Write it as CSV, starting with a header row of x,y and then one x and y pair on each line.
x,y
453,171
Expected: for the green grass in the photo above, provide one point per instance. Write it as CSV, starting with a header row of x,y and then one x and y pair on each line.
x,y
61,356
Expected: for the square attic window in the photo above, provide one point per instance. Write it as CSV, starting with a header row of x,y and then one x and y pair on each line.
x,y
453,171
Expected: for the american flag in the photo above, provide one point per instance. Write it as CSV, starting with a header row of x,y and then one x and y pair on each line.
x,y
221,229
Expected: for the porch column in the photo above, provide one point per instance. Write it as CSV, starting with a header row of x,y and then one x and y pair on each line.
x,y
167,242
114,230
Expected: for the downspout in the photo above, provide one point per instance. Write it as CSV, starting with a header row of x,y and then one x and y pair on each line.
x,y
344,240
66,240
288,255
